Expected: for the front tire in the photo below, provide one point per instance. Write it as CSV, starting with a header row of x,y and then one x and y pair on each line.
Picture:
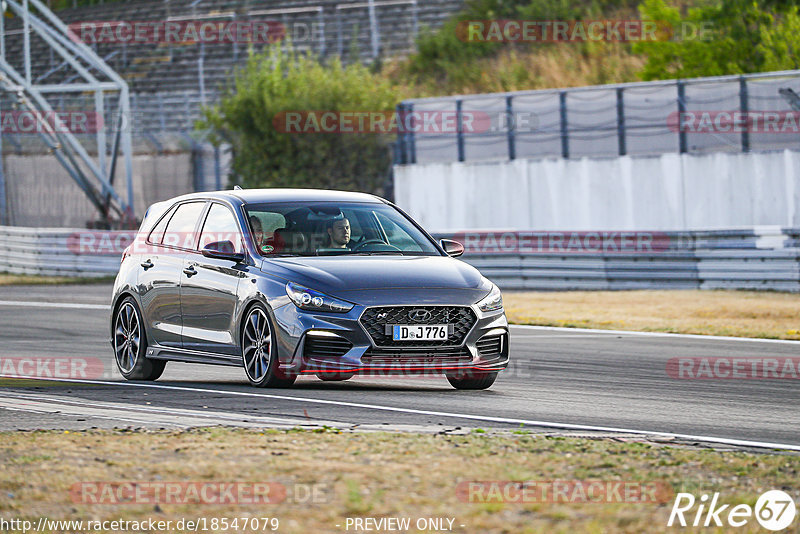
x,y
259,351
130,344
472,380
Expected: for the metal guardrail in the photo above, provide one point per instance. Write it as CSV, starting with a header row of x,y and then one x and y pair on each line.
x,y
45,251
760,258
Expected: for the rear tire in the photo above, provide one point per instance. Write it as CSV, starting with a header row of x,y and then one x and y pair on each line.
x,y
259,351
130,344
472,380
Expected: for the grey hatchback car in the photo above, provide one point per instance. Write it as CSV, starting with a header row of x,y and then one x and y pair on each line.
x,y
291,282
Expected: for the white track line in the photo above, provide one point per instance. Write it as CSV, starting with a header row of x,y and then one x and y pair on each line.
x,y
653,334
35,304
487,418
174,416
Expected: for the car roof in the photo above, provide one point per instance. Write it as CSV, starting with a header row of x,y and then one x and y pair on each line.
x,y
257,196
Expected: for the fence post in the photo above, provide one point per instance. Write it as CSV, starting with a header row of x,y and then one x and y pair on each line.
x,y
201,75
744,107
199,171
623,149
562,104
412,142
512,148
217,169
400,147
375,36
3,220
681,111
321,17
162,121
460,130
339,37
415,21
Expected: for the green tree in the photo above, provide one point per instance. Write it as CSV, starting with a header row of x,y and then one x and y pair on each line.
x,y
252,117
780,45
710,40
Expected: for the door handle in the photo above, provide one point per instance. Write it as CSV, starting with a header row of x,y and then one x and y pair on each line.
x,y
147,264
190,271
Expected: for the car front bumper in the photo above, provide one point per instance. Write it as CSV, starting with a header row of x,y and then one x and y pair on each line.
x,y
340,344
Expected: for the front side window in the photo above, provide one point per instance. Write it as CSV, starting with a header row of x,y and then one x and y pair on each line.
x,y
220,229
332,229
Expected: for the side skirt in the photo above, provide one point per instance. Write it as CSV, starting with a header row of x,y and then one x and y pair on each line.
x,y
174,354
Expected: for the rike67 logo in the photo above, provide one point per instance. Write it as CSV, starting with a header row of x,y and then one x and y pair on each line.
x,y
774,510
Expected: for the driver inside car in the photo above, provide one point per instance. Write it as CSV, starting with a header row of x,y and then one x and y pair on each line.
x,y
338,232
258,231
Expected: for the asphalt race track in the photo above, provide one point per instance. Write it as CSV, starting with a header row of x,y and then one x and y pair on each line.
x,y
593,380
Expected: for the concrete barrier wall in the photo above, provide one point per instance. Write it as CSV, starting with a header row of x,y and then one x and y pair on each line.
x,y
40,193
670,192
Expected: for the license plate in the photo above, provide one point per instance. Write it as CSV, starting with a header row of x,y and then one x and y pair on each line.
x,y
427,332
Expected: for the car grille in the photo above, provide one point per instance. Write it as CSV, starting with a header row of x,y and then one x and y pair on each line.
x,y
461,317
417,356
325,347
490,345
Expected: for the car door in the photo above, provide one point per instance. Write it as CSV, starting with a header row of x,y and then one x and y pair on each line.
x,y
161,269
209,287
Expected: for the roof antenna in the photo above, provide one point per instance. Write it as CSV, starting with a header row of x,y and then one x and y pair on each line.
x,y
237,188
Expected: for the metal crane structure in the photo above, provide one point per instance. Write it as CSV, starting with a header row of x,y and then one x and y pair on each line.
x,y
85,75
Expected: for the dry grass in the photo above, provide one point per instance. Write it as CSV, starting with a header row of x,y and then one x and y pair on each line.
x,y
374,475
524,68
724,313
7,279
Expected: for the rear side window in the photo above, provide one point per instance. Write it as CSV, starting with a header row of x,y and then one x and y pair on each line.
x,y
221,227
157,234
180,229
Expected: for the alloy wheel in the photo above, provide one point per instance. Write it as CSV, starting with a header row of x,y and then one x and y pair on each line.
x,y
257,345
127,337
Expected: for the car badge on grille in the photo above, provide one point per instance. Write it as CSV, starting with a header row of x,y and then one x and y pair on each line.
x,y
419,315
383,315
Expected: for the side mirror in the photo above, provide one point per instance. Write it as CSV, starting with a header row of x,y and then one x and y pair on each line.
x,y
452,248
222,250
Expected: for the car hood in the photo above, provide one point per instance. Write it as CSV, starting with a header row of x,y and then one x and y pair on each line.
x,y
342,275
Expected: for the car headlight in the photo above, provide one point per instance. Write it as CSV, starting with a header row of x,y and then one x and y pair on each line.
x,y
312,300
491,302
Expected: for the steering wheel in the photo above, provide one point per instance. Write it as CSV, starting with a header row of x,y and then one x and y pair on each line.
x,y
363,244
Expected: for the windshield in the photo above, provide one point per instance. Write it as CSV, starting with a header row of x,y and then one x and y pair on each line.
x,y
334,228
